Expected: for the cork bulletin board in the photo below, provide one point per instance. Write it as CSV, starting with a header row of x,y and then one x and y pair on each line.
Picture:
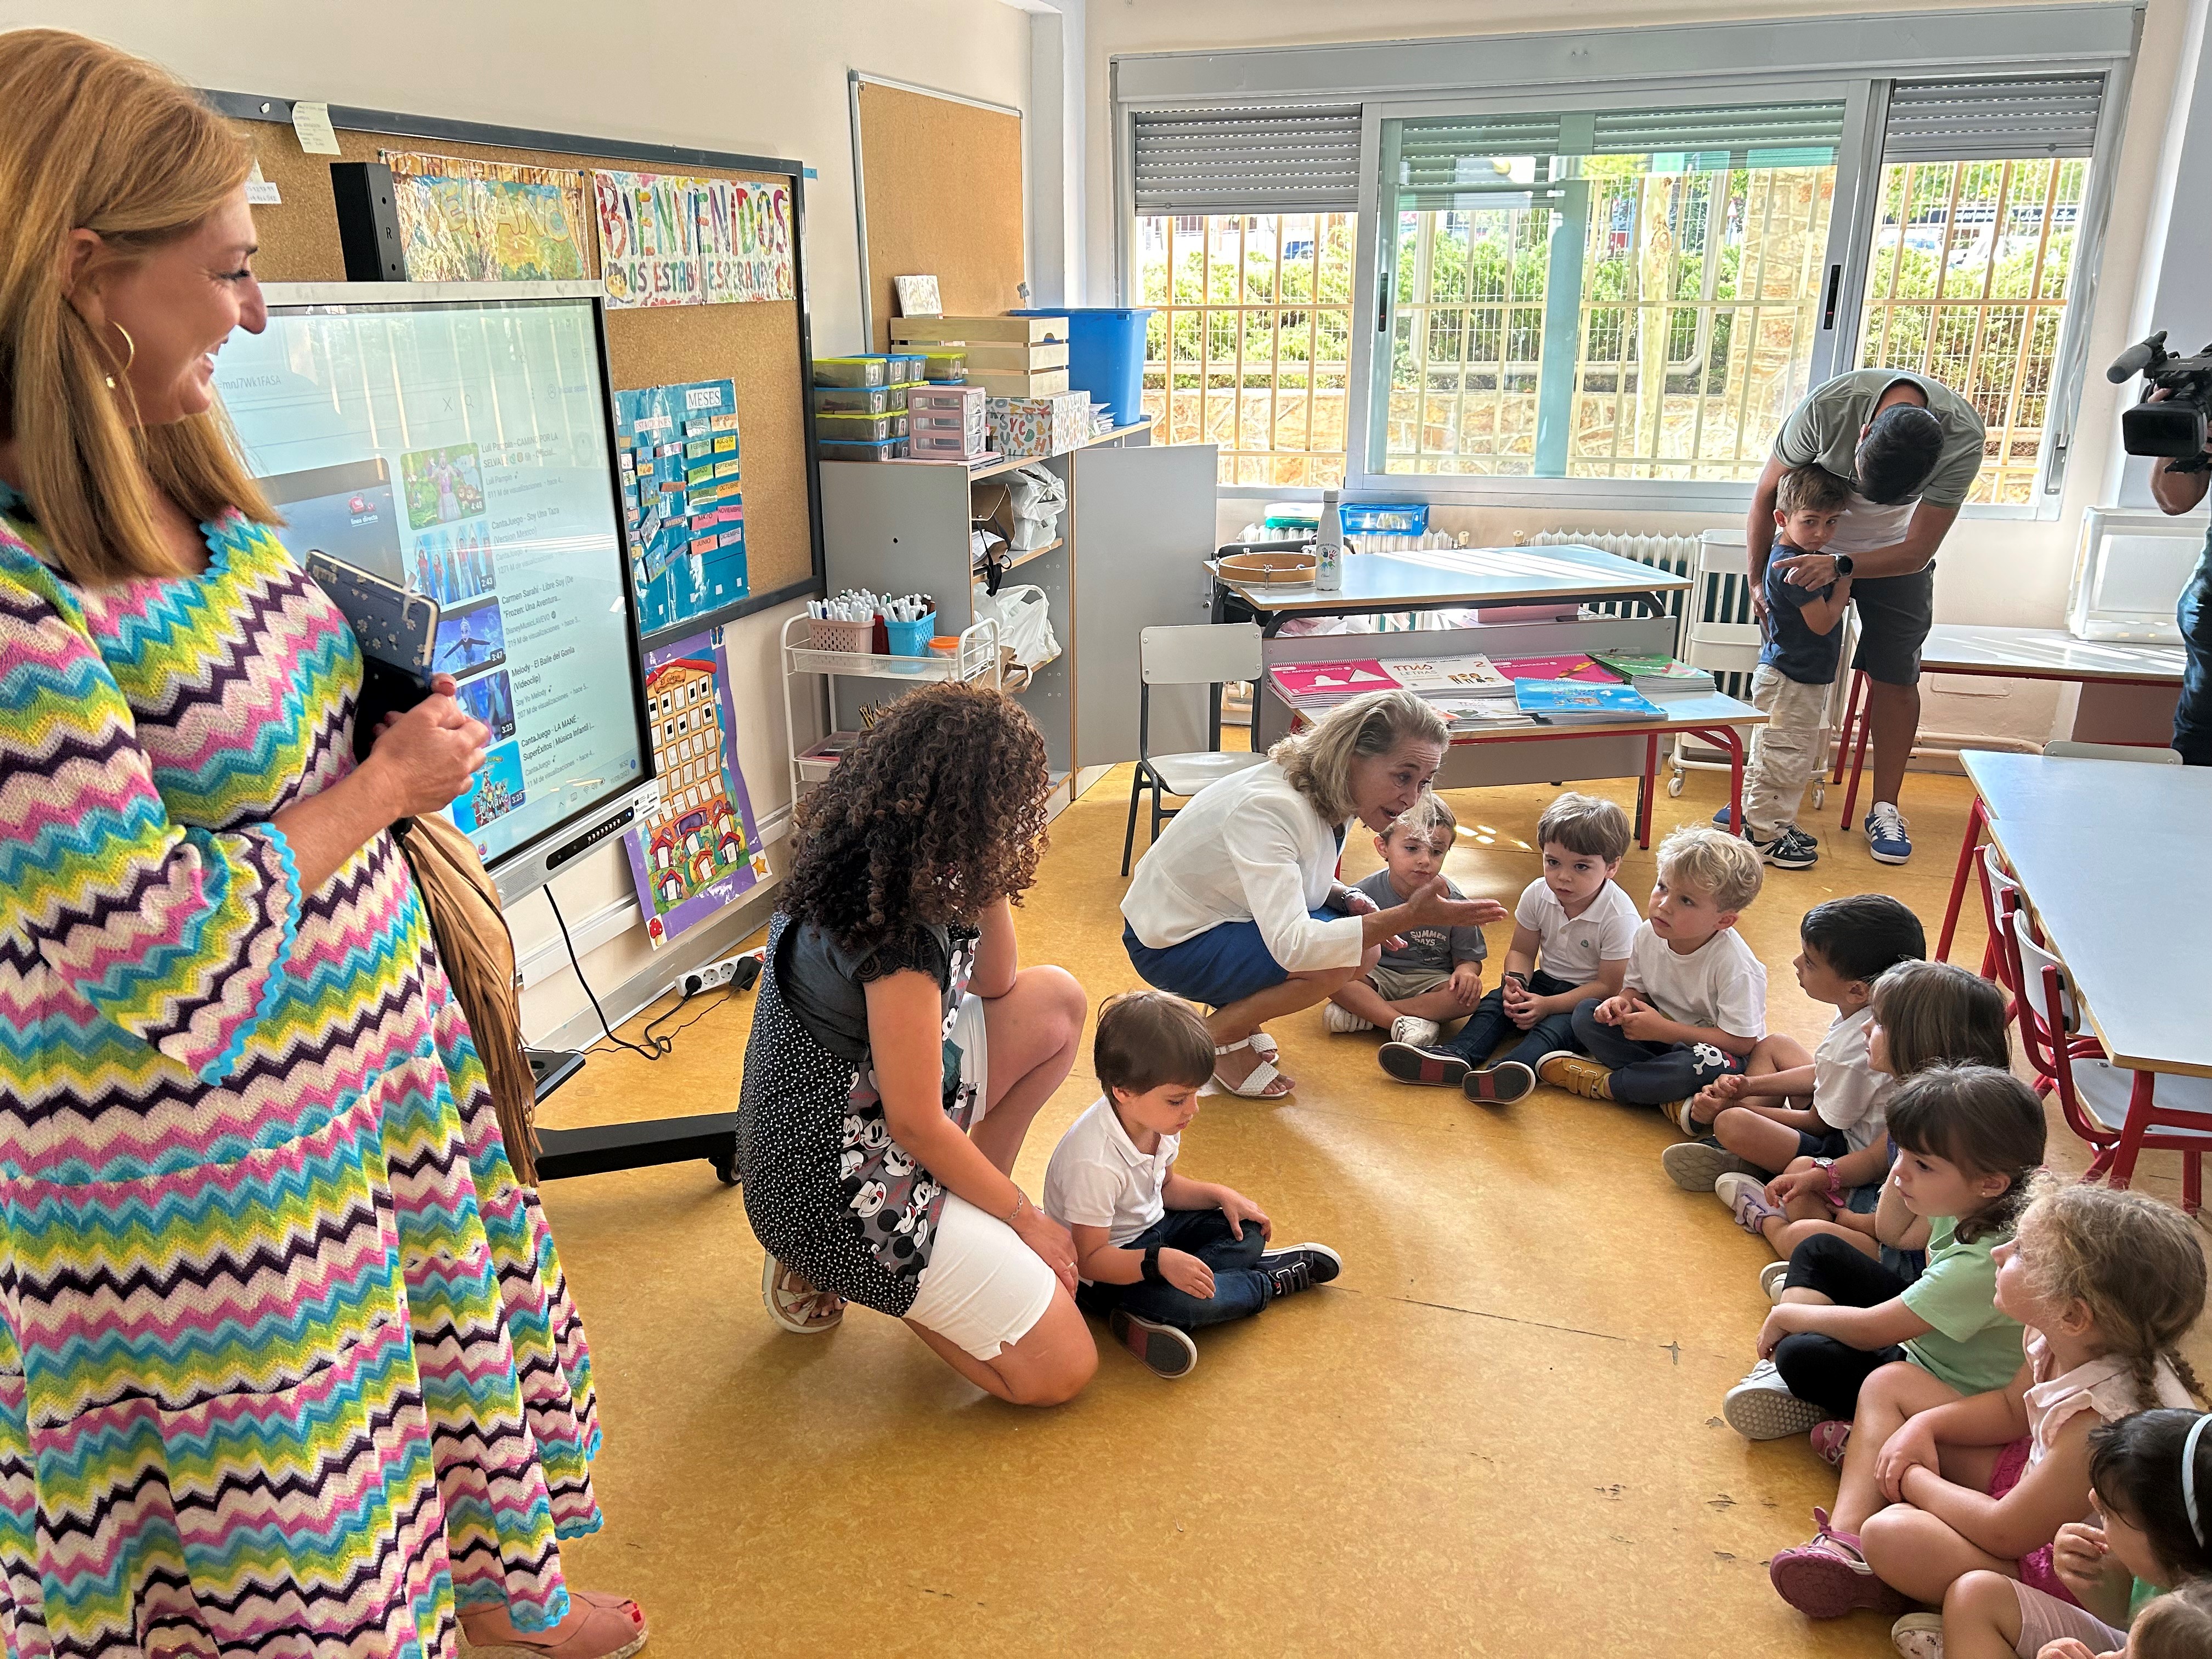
x,y
761,346
940,184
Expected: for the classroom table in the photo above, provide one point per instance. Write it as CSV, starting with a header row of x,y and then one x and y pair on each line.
x,y
2012,654
2109,854
1451,578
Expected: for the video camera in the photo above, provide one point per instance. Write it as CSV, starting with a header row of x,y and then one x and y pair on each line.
x,y
2175,425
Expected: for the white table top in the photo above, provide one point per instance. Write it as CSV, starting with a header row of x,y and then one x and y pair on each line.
x,y
2045,653
2110,855
1466,576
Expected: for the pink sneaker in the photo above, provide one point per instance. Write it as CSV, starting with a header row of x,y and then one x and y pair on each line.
x,y
1829,1577
1830,1438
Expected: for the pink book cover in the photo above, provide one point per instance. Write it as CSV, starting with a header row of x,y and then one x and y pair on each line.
x,y
1300,680
1555,668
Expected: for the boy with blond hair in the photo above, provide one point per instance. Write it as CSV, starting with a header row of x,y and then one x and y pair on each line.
x,y
1693,1004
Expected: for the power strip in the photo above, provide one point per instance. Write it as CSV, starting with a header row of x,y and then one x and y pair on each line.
x,y
740,971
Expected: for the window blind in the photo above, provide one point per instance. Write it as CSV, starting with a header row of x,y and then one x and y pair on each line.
x,y
1260,159
2021,116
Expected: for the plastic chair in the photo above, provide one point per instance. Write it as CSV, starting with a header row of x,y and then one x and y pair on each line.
x,y
1202,654
2001,903
2120,1112
2113,751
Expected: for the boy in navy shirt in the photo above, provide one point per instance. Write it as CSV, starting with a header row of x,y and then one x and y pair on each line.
x,y
1796,666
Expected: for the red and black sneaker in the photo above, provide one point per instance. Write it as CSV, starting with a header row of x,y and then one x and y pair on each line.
x,y
1438,1068
1507,1080
1166,1351
1299,1267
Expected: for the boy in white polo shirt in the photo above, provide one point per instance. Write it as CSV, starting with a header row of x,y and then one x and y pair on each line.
x,y
1161,1255
1572,933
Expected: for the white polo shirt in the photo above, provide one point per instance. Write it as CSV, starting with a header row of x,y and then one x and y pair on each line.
x,y
1097,1177
1572,947
1848,1093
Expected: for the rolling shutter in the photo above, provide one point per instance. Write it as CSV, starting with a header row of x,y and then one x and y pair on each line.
x,y
1264,158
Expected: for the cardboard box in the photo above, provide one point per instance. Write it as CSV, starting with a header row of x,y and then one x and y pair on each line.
x,y
1039,426
1045,383
970,331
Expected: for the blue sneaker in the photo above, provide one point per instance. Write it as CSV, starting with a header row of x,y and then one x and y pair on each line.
x,y
1724,819
1885,834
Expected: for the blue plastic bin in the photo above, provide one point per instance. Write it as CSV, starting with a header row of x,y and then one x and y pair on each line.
x,y
1105,354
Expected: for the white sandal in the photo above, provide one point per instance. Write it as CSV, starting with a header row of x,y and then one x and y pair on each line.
x,y
1254,1086
796,1303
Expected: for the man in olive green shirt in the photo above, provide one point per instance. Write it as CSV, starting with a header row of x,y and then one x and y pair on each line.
x,y
1910,448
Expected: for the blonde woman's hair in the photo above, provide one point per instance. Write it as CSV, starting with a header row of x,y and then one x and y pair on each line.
x,y
1429,811
1319,763
92,138
1727,866
1934,1012
2136,1263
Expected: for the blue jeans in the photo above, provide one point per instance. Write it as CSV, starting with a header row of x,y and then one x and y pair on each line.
x,y
1489,1025
1649,1073
1240,1290
2192,716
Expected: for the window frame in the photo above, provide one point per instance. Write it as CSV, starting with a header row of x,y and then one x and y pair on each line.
x,y
1864,86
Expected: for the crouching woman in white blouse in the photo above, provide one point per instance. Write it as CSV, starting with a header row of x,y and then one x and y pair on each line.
x,y
1238,907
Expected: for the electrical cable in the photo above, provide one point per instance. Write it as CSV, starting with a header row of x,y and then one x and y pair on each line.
x,y
660,1045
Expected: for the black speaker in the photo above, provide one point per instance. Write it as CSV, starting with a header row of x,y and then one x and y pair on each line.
x,y
368,222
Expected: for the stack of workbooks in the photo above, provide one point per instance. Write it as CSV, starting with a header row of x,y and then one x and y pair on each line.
x,y
1449,677
1581,702
1321,685
1656,675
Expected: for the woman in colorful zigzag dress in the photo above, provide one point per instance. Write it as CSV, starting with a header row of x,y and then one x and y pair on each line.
x,y
287,1362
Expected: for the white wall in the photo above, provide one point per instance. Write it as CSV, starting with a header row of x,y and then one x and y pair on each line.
x,y
2005,572
754,78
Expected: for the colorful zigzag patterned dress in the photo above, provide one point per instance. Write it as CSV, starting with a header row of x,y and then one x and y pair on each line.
x,y
287,1362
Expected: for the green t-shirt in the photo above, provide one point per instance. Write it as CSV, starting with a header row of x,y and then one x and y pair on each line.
x,y
2141,1596
1972,1347
1825,427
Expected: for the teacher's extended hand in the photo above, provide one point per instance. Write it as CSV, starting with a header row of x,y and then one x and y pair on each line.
x,y
1430,907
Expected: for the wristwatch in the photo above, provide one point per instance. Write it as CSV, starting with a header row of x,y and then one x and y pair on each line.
x,y
1843,564
1835,1184
1151,1265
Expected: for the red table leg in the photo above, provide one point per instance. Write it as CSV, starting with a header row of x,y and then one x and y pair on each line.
x,y
1975,820
1646,787
1729,743
1850,718
1858,760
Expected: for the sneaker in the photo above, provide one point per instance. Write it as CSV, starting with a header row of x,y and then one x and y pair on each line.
x,y
1725,819
1507,1080
1829,1577
1919,1636
1165,1350
1414,1033
1343,1021
1746,1198
1885,834
1677,1112
1788,848
1440,1067
1579,1074
1831,1439
1299,1267
1696,1164
1774,1278
1761,1406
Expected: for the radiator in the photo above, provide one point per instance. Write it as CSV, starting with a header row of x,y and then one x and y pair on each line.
x,y
1725,599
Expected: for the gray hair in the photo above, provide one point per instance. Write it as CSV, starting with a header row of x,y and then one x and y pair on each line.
x,y
1318,761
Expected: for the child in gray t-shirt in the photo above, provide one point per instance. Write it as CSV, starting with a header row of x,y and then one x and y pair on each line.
x,y
1437,974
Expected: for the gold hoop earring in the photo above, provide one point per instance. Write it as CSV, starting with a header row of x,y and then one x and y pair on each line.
x,y
130,351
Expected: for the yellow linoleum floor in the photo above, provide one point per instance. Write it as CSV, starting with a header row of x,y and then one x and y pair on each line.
x,y
1497,1433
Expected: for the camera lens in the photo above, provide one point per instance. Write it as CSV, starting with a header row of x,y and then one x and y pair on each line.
x,y
2174,428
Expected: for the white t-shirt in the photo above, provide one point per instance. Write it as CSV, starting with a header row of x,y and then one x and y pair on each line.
x,y
1848,1093
1097,1177
1248,848
1720,984
1571,947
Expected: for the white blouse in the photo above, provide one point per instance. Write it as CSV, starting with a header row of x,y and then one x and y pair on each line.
x,y
1248,848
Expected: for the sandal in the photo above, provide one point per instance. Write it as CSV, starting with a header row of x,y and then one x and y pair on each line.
x,y
796,1303
612,1627
1829,1577
1259,1083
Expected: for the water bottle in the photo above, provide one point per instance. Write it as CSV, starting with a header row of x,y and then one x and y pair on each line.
x,y
1328,546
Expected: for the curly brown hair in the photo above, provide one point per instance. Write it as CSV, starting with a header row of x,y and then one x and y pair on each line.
x,y
934,813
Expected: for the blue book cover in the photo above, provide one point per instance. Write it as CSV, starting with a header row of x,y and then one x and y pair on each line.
x,y
1584,700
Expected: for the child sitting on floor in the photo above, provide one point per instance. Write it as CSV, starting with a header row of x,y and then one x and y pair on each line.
x,y
1161,1255
2148,1538
1693,1004
1758,1124
1572,933
1434,974
1968,1137
1937,1483
1922,1014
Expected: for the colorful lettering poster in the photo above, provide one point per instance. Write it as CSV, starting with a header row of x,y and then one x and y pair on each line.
x,y
700,848
683,514
464,221
670,240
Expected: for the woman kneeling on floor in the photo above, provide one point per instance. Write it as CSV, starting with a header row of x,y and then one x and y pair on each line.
x,y
1238,907
898,1054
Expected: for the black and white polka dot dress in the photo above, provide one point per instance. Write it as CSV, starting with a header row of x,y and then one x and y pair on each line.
x,y
827,1189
